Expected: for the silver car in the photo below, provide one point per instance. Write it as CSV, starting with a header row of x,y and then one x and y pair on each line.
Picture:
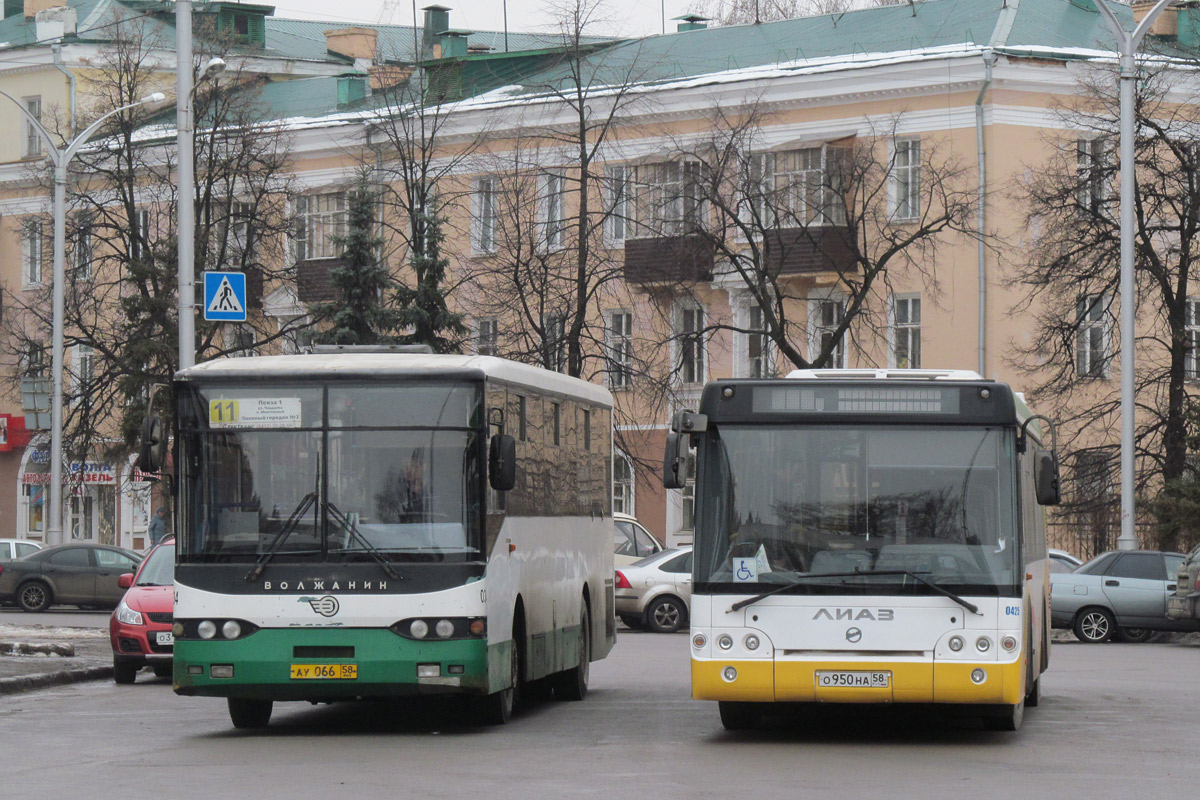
x,y
1117,595
654,593
12,549
631,541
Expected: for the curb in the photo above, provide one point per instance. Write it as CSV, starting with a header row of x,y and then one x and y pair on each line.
x,y
45,680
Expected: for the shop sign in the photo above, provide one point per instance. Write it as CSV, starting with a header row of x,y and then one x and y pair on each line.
x,y
89,472
13,432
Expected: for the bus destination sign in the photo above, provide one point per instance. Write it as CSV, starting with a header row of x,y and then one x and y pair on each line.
x,y
255,412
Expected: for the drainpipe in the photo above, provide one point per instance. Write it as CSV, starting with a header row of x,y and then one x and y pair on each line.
x,y
989,59
57,50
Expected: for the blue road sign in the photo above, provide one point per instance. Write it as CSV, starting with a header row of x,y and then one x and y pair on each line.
x,y
225,296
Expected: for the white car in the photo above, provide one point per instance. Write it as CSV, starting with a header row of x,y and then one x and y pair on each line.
x,y
631,541
1062,561
655,593
12,549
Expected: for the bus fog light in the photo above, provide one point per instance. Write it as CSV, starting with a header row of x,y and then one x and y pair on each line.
x,y
699,641
729,674
419,629
457,669
983,644
956,643
207,629
978,676
177,630
195,669
220,671
724,641
444,628
751,642
231,629
1009,643
429,670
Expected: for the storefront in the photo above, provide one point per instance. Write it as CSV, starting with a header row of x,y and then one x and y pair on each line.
x,y
90,492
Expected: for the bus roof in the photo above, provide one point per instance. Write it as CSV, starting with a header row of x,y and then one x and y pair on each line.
x,y
887,374
317,366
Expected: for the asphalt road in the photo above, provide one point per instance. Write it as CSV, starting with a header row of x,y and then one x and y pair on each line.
x,y
64,617
1116,721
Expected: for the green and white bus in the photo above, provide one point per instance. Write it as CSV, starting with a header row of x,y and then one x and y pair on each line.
x,y
377,524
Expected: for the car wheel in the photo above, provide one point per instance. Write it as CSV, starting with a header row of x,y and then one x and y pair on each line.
x,y
34,596
1135,635
739,716
632,622
162,670
124,672
666,615
247,713
572,684
1094,625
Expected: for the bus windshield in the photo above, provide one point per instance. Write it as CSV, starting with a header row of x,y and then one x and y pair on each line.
x,y
339,474
862,505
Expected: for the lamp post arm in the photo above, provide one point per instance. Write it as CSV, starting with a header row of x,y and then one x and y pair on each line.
x,y
1143,27
1121,34
51,148
82,138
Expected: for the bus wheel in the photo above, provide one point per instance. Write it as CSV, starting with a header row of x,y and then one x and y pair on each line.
x,y
247,713
739,716
1035,694
498,706
1094,625
572,684
1008,719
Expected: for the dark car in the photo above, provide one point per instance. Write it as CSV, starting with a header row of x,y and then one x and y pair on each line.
x,y
75,574
1118,595
140,628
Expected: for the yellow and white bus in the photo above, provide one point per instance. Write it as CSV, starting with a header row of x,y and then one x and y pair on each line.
x,y
867,537
372,524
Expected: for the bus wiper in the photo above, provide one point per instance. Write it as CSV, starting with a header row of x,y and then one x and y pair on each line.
x,y
292,523
351,528
974,609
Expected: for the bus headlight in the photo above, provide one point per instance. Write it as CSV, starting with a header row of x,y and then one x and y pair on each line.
x,y
751,642
956,643
983,644
978,675
419,629
724,641
207,629
1009,643
231,629
444,628
699,641
729,674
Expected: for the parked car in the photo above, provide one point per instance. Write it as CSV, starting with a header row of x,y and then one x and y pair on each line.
x,y
654,593
1185,603
1121,595
1062,561
140,627
12,549
631,541
78,574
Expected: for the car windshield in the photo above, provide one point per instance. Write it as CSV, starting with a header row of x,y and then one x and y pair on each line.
x,y
785,504
159,569
342,474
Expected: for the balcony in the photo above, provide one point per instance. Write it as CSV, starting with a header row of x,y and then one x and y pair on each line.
x,y
314,281
797,251
669,259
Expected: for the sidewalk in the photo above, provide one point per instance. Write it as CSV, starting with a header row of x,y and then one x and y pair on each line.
x,y
37,656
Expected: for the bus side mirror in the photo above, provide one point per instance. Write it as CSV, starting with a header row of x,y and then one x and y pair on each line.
x,y
1045,478
152,454
674,459
502,462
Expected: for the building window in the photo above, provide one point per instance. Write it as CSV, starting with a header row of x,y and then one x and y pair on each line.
x,y
555,423
620,349
587,430
670,199
138,234
483,216
803,187
1090,165
81,252
522,432
239,230
906,179
554,342
35,504
1191,361
239,340
689,336
31,253
33,140
757,357
906,332
33,360
1091,344
622,484
320,226
620,205
825,317
295,333
84,369
486,337
553,211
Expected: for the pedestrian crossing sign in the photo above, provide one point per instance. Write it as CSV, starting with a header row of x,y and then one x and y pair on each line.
x,y
225,296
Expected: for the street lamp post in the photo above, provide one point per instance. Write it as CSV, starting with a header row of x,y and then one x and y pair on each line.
x,y
62,160
1127,45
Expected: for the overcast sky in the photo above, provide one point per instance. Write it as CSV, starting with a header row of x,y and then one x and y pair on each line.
x,y
624,17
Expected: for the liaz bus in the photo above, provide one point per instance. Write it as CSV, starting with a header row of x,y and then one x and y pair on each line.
x,y
867,537
375,524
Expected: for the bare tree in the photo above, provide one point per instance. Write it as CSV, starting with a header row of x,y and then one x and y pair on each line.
x,y
1072,276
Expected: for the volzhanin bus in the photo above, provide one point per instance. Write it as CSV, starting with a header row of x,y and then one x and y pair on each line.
x,y
374,524
867,537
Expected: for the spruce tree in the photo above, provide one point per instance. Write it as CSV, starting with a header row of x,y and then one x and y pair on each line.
x,y
422,308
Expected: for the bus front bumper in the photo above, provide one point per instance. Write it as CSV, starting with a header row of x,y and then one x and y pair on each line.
x,y
309,664
795,681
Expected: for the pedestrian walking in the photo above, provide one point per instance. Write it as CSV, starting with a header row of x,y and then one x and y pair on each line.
x,y
158,526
